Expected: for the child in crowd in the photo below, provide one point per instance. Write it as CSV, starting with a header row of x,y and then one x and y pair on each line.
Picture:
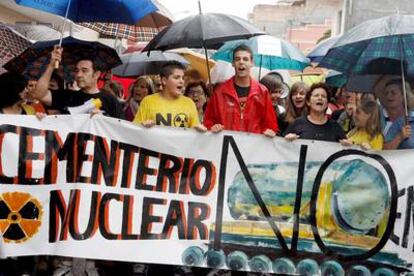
x,y
346,118
367,132
169,107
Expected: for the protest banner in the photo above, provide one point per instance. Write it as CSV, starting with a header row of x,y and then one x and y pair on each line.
x,y
103,188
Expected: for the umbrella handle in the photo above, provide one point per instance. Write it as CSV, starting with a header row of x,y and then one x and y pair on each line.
x,y
56,63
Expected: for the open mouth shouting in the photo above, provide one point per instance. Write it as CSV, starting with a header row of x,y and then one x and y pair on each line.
x,y
299,102
180,88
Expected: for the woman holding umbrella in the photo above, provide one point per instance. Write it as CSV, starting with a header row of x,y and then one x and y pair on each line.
x,y
397,129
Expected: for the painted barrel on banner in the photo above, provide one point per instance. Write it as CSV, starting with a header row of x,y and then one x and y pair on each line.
x,y
193,256
237,260
358,200
360,197
352,211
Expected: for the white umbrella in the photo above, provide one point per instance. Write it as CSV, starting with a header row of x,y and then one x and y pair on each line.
x,y
222,71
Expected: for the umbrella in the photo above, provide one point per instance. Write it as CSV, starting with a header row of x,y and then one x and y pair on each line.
x,y
388,38
364,83
138,47
223,70
268,52
143,30
354,83
120,11
206,31
336,79
11,44
137,64
130,32
33,61
322,49
379,46
37,32
197,61
308,78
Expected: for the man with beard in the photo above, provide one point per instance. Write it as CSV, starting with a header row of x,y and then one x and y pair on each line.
x,y
86,76
241,103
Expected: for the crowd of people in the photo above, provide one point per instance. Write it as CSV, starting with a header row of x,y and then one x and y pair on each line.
x,y
376,120
372,121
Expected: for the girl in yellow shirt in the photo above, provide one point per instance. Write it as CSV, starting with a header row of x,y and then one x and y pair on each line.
x,y
367,132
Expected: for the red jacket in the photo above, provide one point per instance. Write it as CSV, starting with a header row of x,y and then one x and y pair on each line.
x,y
224,108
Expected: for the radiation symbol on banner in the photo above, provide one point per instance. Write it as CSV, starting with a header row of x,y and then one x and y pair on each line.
x,y
20,216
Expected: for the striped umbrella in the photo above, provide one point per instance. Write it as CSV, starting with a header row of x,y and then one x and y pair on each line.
x,y
380,46
143,30
384,41
130,32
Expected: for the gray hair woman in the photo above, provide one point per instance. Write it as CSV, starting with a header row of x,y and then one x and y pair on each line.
x,y
396,129
140,88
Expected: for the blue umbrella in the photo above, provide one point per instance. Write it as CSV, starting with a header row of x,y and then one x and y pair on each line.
x,y
322,49
335,78
357,83
119,11
385,41
380,46
268,52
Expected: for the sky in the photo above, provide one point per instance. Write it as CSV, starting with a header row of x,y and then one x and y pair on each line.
x,y
183,8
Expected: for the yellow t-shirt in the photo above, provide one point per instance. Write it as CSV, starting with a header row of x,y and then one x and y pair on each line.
x,y
361,136
180,112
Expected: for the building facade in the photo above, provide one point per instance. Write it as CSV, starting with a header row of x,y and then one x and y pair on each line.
x,y
305,22
356,12
301,22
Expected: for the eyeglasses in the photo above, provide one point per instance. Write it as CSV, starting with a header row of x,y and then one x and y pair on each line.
x,y
195,92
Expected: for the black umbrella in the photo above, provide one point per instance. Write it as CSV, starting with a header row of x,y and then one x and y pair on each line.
x,y
137,64
207,31
33,61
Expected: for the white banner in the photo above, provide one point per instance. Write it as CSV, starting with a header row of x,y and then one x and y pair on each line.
x,y
102,188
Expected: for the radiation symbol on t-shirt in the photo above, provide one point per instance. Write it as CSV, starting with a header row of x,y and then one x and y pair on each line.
x,y
20,216
180,120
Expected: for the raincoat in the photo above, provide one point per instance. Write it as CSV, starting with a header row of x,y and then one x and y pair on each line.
x,y
224,108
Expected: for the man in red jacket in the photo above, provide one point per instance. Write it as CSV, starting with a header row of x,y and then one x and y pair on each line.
x,y
241,103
